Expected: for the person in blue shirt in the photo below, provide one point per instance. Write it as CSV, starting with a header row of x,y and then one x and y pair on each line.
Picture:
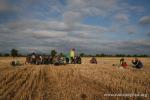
x,y
137,63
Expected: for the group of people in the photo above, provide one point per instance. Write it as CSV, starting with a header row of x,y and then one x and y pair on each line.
x,y
72,59
56,60
16,63
136,63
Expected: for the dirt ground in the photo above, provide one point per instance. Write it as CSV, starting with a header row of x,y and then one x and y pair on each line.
x,y
74,81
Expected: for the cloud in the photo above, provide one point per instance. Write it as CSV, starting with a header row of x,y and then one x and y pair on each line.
x,y
92,7
121,18
28,26
5,6
52,24
102,4
49,34
145,20
71,16
126,8
129,47
148,33
131,29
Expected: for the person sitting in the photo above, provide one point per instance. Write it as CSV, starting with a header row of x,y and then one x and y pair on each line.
x,y
62,60
16,63
13,63
45,60
78,60
56,60
124,64
75,60
121,61
72,60
67,60
28,59
93,60
137,63
33,58
40,59
37,60
50,60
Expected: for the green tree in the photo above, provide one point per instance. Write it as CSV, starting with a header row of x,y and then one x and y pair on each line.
x,y
6,55
129,55
135,55
97,55
82,54
61,54
102,55
53,53
14,52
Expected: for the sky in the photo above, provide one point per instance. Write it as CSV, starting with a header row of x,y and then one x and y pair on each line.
x,y
89,26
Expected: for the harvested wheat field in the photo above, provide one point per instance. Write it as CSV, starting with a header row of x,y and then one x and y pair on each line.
x,y
74,82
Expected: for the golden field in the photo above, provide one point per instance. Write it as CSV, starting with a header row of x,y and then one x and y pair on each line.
x,y
74,82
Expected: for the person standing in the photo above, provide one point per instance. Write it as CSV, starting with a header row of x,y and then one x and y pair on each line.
x,y
72,55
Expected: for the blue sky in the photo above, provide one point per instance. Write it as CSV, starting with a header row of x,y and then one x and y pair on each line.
x,y
90,26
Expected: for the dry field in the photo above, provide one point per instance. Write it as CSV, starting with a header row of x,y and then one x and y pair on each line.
x,y
74,82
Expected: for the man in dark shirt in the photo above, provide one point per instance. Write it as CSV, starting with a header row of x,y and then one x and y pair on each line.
x,y
137,63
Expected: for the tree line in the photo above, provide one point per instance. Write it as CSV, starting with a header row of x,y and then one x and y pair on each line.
x,y
114,55
15,53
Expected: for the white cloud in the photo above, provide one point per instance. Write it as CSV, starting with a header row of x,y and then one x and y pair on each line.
x,y
49,34
71,18
92,7
7,7
126,7
148,33
121,18
3,7
40,28
131,29
145,20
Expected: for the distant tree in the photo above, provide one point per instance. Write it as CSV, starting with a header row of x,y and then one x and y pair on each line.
x,y
89,55
61,54
144,55
128,55
6,54
21,55
97,55
135,55
1,55
14,52
102,55
109,55
53,53
82,54
120,55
